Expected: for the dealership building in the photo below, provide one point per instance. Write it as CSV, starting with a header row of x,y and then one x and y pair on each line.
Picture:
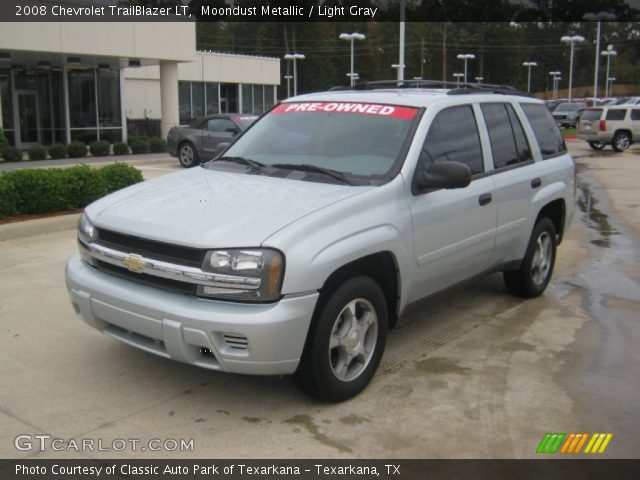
x,y
65,81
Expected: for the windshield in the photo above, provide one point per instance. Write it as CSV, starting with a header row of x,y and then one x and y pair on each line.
x,y
568,107
360,140
245,120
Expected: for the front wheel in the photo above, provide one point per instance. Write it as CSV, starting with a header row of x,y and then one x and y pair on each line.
x,y
187,155
621,141
597,145
533,276
345,343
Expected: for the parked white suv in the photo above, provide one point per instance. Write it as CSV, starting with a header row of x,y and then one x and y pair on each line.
x,y
300,246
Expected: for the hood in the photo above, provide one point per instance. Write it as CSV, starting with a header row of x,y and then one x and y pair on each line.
x,y
213,209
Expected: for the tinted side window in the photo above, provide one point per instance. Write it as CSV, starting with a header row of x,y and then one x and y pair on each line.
x,y
545,130
219,125
616,114
508,143
635,114
453,136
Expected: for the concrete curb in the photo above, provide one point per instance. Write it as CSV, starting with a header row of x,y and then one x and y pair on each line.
x,y
39,226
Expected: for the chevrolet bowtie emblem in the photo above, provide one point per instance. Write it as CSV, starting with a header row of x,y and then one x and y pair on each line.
x,y
134,263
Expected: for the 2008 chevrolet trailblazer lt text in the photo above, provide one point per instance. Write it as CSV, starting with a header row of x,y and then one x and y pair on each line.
x,y
297,248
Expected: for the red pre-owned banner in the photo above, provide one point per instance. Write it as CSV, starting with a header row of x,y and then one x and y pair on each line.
x,y
392,111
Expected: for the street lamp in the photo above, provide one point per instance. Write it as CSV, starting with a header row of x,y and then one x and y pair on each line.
x,y
597,17
350,37
400,69
288,79
294,57
610,80
529,65
458,76
555,92
571,40
465,57
556,83
609,52
479,79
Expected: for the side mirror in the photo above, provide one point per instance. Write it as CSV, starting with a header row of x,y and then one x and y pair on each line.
x,y
442,175
221,147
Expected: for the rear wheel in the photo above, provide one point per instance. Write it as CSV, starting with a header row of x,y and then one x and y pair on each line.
x,y
187,155
597,145
345,343
621,141
533,276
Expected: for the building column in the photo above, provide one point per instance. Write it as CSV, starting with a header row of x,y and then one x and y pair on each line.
x,y
169,101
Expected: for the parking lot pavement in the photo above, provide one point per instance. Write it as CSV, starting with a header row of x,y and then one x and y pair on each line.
x,y
475,373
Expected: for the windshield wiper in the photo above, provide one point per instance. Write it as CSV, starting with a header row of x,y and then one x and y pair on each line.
x,y
335,174
254,164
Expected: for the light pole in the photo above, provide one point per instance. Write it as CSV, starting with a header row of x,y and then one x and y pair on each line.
x,y
571,40
609,52
529,65
458,76
288,79
400,64
350,37
553,89
479,79
465,57
399,68
294,57
556,83
610,80
597,17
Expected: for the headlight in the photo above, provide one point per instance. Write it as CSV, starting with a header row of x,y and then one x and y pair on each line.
x,y
86,231
253,274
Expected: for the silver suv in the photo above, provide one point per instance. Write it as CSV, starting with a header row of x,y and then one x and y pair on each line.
x,y
618,126
296,249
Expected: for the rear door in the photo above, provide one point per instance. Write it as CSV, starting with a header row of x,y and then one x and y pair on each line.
x,y
516,178
454,230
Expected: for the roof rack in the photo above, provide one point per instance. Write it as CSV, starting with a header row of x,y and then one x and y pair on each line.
x,y
454,88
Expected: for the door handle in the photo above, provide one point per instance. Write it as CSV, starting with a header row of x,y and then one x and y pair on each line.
x,y
536,182
484,199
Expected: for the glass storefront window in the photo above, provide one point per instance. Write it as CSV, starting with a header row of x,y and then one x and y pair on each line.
x,y
82,98
109,98
258,99
197,99
184,98
247,99
269,97
212,98
111,135
5,98
86,136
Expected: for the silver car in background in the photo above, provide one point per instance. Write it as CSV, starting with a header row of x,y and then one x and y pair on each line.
x,y
198,141
567,114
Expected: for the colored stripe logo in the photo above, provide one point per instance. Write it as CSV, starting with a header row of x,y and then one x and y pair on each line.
x,y
574,443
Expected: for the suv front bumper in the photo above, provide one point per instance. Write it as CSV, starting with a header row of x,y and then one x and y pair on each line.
x,y
262,339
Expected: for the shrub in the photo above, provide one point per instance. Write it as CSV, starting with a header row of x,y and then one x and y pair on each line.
x,y
77,149
37,153
58,151
157,145
120,175
100,148
137,138
120,149
8,198
139,146
46,190
12,154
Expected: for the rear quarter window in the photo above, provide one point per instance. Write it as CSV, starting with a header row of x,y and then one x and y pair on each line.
x,y
545,130
592,114
616,114
635,114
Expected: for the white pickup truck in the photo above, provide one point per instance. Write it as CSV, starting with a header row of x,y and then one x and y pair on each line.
x,y
297,248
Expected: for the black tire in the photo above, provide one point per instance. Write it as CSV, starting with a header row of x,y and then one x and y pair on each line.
x,y
597,145
621,141
330,373
187,155
534,274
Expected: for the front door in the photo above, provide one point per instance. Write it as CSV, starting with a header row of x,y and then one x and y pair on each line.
x,y
28,119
